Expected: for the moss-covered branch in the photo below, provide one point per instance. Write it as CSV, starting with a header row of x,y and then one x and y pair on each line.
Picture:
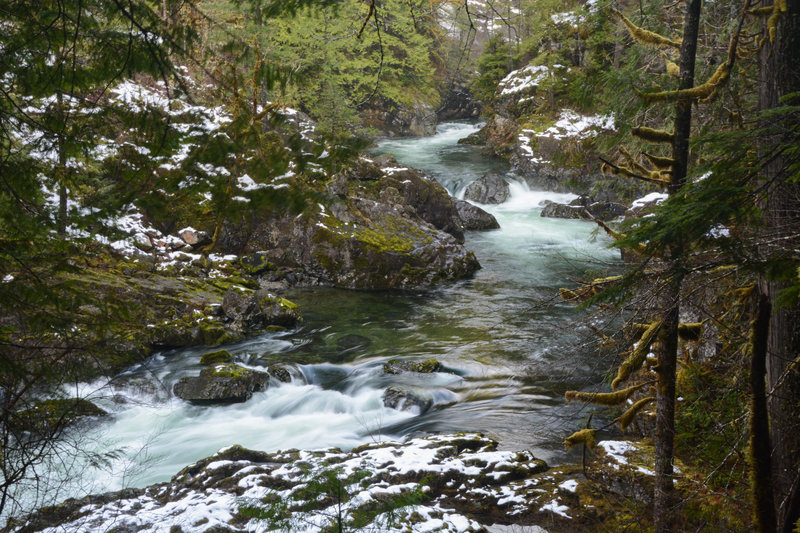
x,y
584,436
647,37
590,289
604,398
627,417
638,356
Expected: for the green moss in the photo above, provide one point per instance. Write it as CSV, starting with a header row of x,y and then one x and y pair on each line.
x,y
283,302
57,413
227,370
219,356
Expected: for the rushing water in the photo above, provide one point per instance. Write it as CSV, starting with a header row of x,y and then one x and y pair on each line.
x,y
509,347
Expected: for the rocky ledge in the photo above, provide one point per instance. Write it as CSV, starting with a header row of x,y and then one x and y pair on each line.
x,y
378,225
452,483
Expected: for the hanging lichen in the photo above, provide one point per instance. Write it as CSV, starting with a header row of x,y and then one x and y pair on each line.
x,y
603,398
646,36
638,356
672,68
584,436
660,162
652,135
627,417
778,9
690,331
703,92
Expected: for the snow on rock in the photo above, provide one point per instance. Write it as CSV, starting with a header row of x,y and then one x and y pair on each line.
x,y
653,198
524,78
208,494
572,124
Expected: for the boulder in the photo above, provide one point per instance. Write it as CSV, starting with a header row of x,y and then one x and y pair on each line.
x,y
221,383
577,209
219,356
489,189
626,468
473,217
194,237
254,311
429,199
392,119
53,416
406,399
401,366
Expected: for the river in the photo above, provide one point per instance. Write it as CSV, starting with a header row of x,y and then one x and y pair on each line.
x,y
510,349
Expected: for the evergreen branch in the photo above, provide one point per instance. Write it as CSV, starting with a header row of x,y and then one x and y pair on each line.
x,y
630,174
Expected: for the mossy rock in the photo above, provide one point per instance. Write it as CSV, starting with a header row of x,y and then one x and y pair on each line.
x,y
219,356
400,366
56,414
221,383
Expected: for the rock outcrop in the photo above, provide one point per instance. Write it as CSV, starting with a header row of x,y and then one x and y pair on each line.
x,y
378,227
466,484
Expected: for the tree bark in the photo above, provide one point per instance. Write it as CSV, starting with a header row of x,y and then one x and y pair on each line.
x,y
779,76
759,453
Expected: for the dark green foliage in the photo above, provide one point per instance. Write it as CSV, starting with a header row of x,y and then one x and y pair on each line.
x,y
493,65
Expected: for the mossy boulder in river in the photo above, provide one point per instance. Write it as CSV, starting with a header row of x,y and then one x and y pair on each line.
x,y
369,233
400,366
221,383
219,356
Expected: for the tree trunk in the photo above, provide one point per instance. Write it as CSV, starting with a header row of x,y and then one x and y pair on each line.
x,y
780,75
663,504
664,440
759,453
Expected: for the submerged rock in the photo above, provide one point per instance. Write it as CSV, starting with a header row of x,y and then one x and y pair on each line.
x,y
221,383
399,366
285,373
489,189
473,217
406,399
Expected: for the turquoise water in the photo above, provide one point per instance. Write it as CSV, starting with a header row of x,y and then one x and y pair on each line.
x,y
509,346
